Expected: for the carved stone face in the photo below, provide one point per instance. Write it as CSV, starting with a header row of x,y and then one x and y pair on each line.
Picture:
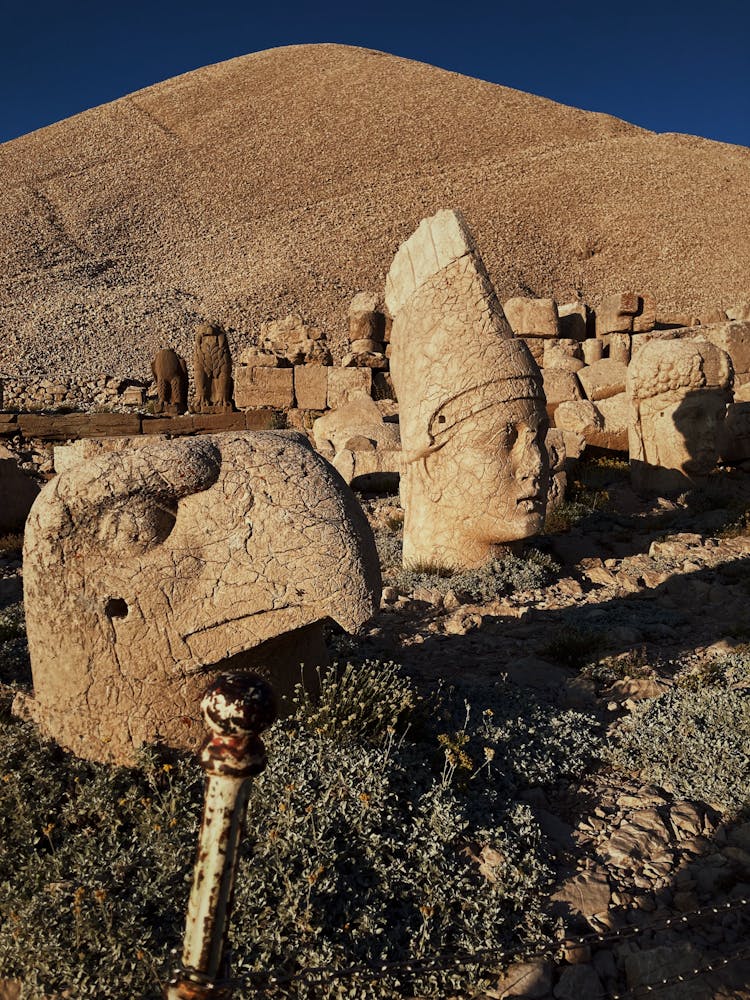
x,y
491,474
471,403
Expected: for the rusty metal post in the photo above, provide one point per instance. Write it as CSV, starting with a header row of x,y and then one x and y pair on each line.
x,y
236,709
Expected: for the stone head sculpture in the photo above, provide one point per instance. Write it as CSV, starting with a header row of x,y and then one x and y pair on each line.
x,y
212,370
149,572
471,403
678,392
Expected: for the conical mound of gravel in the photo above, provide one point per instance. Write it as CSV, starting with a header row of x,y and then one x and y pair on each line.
x,y
285,180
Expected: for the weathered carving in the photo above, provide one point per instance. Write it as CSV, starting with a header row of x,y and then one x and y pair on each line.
x,y
171,374
678,393
472,407
212,370
148,572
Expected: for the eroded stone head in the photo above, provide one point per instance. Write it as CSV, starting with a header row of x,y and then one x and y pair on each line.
x,y
149,572
472,406
678,393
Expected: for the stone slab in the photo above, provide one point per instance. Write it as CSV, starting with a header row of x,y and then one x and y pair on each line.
x,y
211,423
603,379
346,383
61,427
257,387
532,317
311,386
8,424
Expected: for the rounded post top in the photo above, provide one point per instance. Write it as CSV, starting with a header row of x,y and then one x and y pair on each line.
x,y
239,704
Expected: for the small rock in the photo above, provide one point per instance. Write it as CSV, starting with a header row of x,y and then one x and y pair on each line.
x,y
647,968
525,979
451,601
587,893
685,902
579,982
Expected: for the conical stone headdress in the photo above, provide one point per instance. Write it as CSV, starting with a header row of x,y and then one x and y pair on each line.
x,y
453,352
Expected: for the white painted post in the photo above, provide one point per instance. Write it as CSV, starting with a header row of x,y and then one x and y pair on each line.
x,y
236,709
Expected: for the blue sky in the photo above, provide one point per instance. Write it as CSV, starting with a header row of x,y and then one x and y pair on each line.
x,y
667,66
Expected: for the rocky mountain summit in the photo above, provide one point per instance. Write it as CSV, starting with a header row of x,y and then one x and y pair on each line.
x,y
284,181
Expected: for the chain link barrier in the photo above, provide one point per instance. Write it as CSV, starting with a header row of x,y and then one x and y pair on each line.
x,y
458,960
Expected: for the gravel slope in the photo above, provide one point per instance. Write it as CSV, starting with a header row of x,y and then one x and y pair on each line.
x,y
285,181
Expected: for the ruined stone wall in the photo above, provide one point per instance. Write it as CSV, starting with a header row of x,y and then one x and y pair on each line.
x,y
75,392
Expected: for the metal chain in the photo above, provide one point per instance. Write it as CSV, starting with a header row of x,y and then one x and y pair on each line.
x,y
455,959
647,989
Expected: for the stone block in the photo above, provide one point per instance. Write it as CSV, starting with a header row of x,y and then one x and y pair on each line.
x,y
613,434
734,338
210,423
574,320
372,470
593,350
560,386
359,417
311,386
734,444
581,418
251,357
564,354
134,395
366,321
713,316
645,318
616,312
532,317
367,346
603,379
168,425
255,387
345,384
668,320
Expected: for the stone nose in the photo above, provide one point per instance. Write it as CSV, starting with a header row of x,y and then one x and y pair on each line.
x,y
528,460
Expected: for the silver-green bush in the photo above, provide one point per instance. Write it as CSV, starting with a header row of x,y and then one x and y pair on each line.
x,y
384,825
694,742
